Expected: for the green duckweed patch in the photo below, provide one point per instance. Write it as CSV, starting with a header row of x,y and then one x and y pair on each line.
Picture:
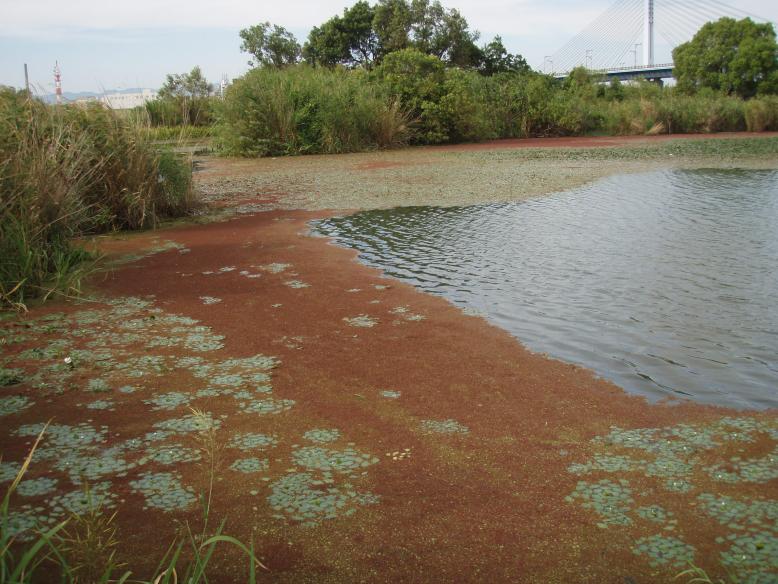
x,y
322,436
443,427
677,461
250,465
128,351
305,498
323,459
662,550
13,404
36,487
253,441
164,491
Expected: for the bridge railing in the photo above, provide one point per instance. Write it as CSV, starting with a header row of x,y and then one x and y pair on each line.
x,y
622,69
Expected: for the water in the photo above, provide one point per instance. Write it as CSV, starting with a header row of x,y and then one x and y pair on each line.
x,y
665,283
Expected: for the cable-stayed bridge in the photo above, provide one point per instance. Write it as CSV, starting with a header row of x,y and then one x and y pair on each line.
x,y
635,38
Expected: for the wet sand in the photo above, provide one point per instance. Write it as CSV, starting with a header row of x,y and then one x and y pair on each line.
x,y
490,491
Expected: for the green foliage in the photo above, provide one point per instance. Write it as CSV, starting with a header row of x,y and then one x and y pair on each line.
x,y
270,45
495,58
65,171
190,85
366,34
176,111
183,100
737,57
305,110
348,40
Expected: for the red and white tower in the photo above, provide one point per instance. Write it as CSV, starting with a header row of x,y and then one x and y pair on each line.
x,y
57,82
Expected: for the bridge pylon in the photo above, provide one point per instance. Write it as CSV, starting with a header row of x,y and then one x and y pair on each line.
x,y
648,29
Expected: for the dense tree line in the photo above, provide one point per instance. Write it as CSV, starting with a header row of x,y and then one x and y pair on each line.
x,y
366,34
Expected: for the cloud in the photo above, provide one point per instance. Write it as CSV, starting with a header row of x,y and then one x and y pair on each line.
x,y
38,18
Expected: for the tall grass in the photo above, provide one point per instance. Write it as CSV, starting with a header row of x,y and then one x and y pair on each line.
x,y
414,98
302,110
66,171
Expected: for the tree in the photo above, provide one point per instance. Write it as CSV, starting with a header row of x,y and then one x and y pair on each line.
x,y
392,24
270,45
190,85
495,58
737,57
182,99
347,40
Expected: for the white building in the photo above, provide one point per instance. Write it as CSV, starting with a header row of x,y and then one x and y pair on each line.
x,y
120,101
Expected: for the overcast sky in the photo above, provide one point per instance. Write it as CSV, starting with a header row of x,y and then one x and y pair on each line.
x,y
115,44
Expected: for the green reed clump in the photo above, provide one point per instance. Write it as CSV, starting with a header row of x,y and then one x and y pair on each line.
x,y
302,110
66,171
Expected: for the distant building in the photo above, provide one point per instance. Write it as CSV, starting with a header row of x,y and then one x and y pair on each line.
x,y
122,101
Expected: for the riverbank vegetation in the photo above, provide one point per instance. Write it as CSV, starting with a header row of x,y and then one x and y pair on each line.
x,y
412,72
66,171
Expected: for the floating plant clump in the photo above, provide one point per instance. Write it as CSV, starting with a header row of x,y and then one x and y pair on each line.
x,y
737,514
36,487
187,424
267,406
322,436
343,461
208,300
753,557
755,470
275,268
664,551
169,401
251,441
13,404
603,462
164,491
95,496
250,465
168,454
361,321
304,498
610,500
23,523
443,427
102,404
657,514
9,470
10,376
297,284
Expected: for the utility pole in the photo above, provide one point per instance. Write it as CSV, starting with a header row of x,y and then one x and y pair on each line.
x,y
589,59
26,79
57,82
635,54
648,30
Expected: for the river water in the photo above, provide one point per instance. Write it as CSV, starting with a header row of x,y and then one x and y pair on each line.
x,y
665,283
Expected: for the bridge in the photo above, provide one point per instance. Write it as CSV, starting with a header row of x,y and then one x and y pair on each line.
x,y
624,41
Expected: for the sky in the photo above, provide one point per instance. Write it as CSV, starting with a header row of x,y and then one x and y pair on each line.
x,y
117,44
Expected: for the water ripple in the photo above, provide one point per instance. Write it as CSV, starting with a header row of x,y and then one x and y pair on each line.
x,y
666,282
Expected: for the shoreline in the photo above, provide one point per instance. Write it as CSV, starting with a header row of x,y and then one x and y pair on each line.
x,y
463,174
487,493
